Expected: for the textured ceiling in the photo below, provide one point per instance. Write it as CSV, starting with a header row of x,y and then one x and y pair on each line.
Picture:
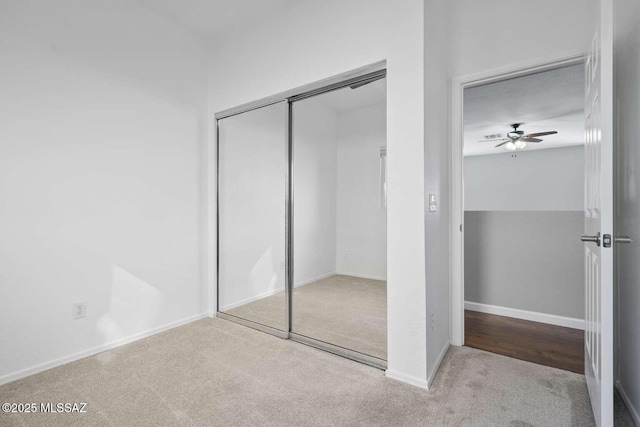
x,y
551,100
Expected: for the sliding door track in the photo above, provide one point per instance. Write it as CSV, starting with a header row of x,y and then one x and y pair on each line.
x,y
301,339
340,351
254,325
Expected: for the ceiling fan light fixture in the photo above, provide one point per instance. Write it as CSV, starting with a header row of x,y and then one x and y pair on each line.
x,y
517,140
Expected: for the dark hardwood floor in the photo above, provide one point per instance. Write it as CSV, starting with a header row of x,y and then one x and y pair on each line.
x,y
548,345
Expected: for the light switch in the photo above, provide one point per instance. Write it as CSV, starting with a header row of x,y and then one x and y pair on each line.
x,y
433,205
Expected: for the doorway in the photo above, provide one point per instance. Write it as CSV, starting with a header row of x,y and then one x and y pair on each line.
x,y
522,174
302,215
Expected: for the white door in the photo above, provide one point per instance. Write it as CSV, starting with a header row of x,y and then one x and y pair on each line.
x,y
599,218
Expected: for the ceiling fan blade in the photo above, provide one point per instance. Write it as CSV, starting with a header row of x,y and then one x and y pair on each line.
x,y
533,135
494,139
528,139
501,144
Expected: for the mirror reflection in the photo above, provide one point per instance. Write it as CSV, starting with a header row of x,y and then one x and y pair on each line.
x,y
252,185
339,205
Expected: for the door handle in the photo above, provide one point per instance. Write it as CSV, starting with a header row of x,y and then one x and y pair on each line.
x,y
593,239
622,239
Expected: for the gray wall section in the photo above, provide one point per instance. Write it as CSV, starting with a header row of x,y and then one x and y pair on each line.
x,y
525,260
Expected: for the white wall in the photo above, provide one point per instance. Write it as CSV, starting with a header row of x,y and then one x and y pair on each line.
x,y
540,180
103,112
315,168
297,47
361,222
627,91
438,27
484,42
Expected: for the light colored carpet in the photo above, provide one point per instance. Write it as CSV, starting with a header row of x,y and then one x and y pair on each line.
x,y
346,311
214,372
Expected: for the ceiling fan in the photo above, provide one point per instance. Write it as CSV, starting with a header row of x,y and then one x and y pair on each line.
x,y
517,140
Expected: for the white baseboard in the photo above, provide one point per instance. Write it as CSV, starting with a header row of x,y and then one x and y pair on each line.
x,y
418,382
635,414
315,279
252,299
273,292
361,276
434,371
95,350
551,319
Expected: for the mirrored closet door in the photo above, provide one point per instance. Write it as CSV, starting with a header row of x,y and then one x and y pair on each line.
x,y
302,216
339,293
252,240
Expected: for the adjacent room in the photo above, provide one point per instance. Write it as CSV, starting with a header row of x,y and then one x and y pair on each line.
x,y
524,214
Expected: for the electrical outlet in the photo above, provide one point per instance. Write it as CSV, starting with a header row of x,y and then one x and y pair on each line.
x,y
79,310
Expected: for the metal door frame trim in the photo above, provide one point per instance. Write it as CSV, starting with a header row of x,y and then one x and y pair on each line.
x,y
357,356
307,90
456,177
